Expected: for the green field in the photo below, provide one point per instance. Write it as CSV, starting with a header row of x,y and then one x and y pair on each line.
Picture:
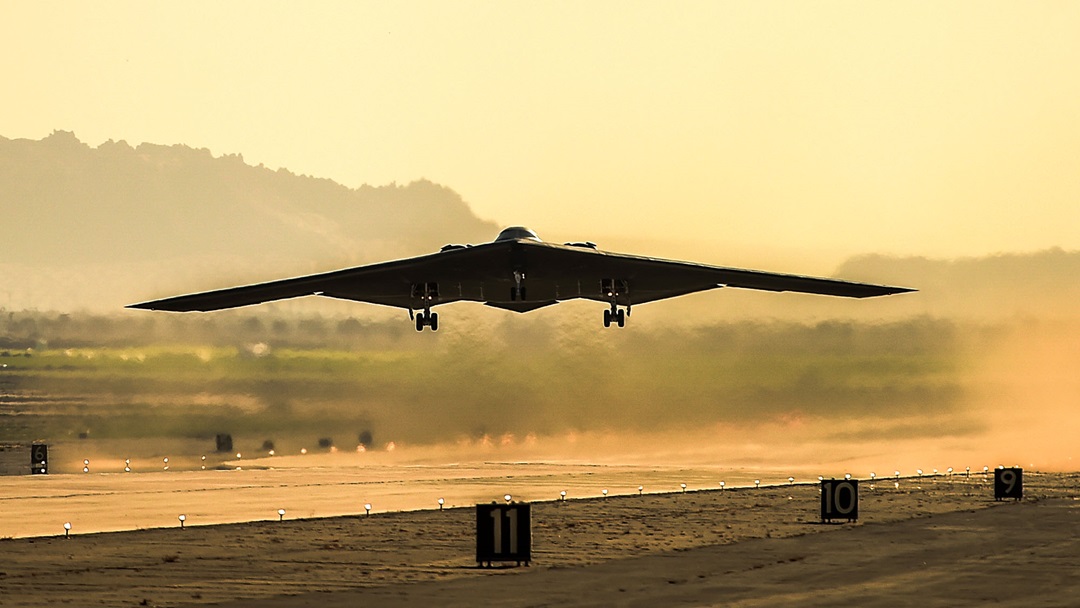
x,y
192,378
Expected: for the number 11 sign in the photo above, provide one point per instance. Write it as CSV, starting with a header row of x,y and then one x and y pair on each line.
x,y
503,533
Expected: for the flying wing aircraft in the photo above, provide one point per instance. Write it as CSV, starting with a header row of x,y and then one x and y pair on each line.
x,y
518,272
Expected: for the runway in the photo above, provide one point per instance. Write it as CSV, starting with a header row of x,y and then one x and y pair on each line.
x,y
315,486
935,541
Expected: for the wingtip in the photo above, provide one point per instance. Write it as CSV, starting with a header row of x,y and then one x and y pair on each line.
x,y
887,290
895,291
154,305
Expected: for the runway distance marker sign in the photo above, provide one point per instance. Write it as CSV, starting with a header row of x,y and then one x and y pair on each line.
x,y
503,533
1009,483
39,459
839,499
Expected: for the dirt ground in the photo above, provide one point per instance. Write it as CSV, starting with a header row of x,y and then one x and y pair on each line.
x,y
935,541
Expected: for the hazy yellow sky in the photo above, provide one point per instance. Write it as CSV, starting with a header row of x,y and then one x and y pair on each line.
x,y
827,128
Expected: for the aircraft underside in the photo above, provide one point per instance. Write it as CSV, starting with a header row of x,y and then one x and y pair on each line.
x,y
520,295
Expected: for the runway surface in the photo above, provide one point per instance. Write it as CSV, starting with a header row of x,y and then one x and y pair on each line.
x,y
932,541
105,502
1017,555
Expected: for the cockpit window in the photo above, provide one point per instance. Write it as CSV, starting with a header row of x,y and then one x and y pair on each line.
x,y
517,232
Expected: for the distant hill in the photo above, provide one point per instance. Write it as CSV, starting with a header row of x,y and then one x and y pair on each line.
x,y
86,228
117,209
1042,283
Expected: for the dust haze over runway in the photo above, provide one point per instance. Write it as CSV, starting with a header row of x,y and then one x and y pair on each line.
x,y
471,415
722,384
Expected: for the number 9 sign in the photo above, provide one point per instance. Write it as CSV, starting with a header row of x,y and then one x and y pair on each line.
x,y
839,499
1008,483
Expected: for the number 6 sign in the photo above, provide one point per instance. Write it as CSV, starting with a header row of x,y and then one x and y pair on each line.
x,y
1008,483
39,459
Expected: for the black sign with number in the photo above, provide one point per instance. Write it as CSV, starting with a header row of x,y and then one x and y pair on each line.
x,y
1008,483
39,459
839,499
503,533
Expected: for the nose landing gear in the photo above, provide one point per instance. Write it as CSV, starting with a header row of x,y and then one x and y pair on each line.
x,y
517,292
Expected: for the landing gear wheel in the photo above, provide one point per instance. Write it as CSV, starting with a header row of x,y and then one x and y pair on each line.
x,y
620,318
607,318
430,319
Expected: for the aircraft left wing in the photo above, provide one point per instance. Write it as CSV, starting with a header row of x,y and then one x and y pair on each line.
x,y
388,283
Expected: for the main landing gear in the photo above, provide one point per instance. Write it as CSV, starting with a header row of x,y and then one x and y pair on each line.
x,y
427,319
614,315
426,293
613,289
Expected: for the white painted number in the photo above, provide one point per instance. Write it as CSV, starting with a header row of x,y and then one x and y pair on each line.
x,y
837,501
1008,478
497,517
496,514
512,514
840,507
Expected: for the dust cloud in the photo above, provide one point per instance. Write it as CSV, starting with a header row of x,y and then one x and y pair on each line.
x,y
497,387
993,382
1027,389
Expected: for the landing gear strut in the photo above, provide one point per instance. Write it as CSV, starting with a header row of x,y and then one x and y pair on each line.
x,y
613,289
426,293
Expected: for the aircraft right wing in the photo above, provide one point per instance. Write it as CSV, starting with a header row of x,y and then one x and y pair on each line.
x,y
649,279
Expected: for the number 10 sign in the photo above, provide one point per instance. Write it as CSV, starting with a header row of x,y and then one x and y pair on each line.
x,y
503,533
839,499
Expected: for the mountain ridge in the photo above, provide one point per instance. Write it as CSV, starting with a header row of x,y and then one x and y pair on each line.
x,y
118,203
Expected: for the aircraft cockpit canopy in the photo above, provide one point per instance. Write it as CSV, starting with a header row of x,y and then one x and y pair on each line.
x,y
516,232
